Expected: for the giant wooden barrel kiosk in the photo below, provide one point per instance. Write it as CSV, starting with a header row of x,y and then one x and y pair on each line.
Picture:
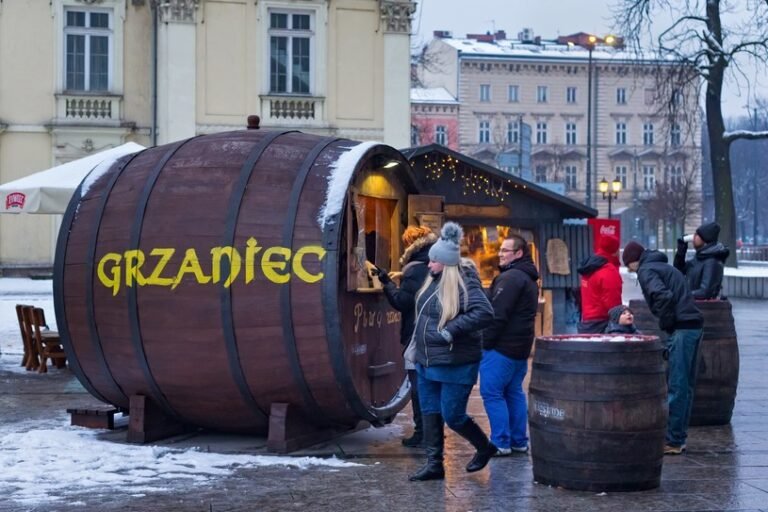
x,y
718,360
598,412
214,278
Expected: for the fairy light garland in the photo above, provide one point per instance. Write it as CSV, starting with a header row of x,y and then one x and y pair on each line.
x,y
472,182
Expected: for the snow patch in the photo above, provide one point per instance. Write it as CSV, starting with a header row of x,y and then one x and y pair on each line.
x,y
81,463
99,171
338,180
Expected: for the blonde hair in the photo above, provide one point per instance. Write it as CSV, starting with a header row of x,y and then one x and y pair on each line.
x,y
448,291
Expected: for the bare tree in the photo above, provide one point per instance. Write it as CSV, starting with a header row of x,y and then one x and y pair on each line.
x,y
697,37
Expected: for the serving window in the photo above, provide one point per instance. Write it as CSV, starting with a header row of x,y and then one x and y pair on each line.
x,y
482,243
374,212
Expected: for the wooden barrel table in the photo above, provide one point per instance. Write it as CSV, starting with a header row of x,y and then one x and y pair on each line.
x,y
718,361
598,412
210,276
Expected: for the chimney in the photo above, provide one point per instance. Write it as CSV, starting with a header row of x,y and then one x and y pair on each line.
x,y
501,35
481,38
442,34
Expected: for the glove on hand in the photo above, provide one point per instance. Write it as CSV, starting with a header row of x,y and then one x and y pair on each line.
x,y
383,275
682,245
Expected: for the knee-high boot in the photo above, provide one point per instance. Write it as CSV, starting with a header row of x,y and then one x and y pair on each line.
x,y
433,443
472,432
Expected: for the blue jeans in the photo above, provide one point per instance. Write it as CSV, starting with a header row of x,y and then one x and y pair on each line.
x,y
444,398
501,386
683,347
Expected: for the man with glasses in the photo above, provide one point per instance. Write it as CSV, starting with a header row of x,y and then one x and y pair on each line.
x,y
507,344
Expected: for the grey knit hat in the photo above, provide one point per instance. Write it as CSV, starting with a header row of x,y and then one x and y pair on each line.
x,y
446,250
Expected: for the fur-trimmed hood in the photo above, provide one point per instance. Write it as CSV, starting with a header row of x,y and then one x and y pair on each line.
x,y
418,245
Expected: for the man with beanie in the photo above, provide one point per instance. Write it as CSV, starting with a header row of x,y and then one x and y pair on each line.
x,y
507,344
669,299
705,271
600,285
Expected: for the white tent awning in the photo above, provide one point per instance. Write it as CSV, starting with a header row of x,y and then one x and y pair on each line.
x,y
50,191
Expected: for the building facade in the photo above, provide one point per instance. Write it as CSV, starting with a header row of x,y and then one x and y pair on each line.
x,y
628,122
434,118
80,76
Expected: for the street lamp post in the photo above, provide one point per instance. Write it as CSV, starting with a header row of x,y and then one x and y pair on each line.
x,y
590,47
613,193
589,42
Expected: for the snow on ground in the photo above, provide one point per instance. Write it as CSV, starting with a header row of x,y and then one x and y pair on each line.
x,y
39,465
42,465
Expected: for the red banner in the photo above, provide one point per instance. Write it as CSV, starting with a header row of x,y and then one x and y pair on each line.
x,y
604,227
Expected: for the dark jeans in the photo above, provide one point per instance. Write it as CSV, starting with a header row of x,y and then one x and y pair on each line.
x,y
445,398
683,347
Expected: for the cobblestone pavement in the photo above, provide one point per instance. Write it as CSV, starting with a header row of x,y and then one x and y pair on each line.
x,y
725,468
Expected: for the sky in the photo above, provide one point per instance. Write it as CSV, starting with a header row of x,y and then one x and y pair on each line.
x,y
547,18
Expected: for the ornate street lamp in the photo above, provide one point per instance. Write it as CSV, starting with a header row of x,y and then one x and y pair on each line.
x,y
613,193
589,41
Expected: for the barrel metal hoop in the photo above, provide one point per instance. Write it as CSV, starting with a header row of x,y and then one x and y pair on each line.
x,y
600,370
635,435
289,335
133,307
58,287
615,348
228,326
631,467
333,333
535,392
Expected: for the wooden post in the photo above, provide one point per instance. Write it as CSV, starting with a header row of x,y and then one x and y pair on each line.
x,y
148,422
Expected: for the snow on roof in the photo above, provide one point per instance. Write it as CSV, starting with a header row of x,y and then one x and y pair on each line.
x,y
339,178
505,48
431,95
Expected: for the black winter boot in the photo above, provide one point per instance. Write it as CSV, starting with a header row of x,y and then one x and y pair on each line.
x,y
472,432
433,441
417,439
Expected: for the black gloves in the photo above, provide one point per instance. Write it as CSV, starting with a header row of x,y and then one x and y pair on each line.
x,y
382,274
682,245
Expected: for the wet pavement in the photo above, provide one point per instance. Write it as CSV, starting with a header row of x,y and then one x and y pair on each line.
x,y
724,469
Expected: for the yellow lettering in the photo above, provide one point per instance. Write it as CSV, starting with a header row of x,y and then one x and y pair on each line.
x,y
235,262
165,254
298,263
270,267
113,281
134,259
251,248
190,265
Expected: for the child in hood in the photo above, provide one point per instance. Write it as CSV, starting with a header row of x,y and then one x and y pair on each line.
x,y
621,321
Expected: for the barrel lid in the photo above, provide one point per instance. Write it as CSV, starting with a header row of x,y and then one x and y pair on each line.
x,y
600,338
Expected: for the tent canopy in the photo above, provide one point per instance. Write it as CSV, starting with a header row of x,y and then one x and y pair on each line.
x,y
49,191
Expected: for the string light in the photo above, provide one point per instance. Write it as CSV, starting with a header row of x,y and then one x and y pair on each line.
x,y
472,182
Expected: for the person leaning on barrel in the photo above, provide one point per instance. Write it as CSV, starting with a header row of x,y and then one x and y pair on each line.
x,y
417,240
705,271
621,320
451,311
669,299
601,285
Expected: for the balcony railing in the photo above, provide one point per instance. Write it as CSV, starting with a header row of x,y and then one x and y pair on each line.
x,y
88,109
289,110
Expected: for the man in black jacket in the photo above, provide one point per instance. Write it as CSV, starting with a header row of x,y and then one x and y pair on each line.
x,y
669,299
507,344
705,270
